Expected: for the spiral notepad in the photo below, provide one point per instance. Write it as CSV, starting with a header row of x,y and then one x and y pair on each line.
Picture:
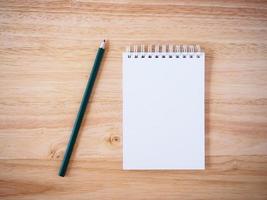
x,y
163,107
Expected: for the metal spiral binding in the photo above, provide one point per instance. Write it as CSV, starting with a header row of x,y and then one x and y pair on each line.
x,y
163,51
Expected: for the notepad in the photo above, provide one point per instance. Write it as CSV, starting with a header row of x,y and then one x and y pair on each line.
x,y
163,107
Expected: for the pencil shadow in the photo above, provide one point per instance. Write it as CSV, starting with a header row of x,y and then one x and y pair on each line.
x,y
208,74
88,108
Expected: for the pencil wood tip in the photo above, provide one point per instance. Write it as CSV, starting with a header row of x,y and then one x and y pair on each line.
x,y
102,44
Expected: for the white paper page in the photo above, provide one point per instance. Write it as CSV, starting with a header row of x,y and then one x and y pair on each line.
x,y
163,113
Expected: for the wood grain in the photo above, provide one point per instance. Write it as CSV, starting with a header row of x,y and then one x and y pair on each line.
x,y
46,51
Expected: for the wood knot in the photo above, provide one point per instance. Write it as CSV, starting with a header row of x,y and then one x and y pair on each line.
x,y
56,151
55,155
114,139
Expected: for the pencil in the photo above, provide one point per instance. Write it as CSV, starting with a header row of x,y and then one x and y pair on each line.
x,y
79,118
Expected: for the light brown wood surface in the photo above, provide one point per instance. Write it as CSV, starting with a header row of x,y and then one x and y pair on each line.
x,y
46,52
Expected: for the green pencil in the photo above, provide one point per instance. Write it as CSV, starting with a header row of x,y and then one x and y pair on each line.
x,y
78,121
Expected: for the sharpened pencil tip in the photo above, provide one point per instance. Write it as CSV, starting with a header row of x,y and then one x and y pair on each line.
x,y
102,44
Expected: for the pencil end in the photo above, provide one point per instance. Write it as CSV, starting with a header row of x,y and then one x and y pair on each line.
x,y
61,174
102,44
62,170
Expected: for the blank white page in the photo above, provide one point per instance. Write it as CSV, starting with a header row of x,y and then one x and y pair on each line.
x,y
163,112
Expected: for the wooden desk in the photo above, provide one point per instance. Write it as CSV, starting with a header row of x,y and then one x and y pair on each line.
x,y
46,53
